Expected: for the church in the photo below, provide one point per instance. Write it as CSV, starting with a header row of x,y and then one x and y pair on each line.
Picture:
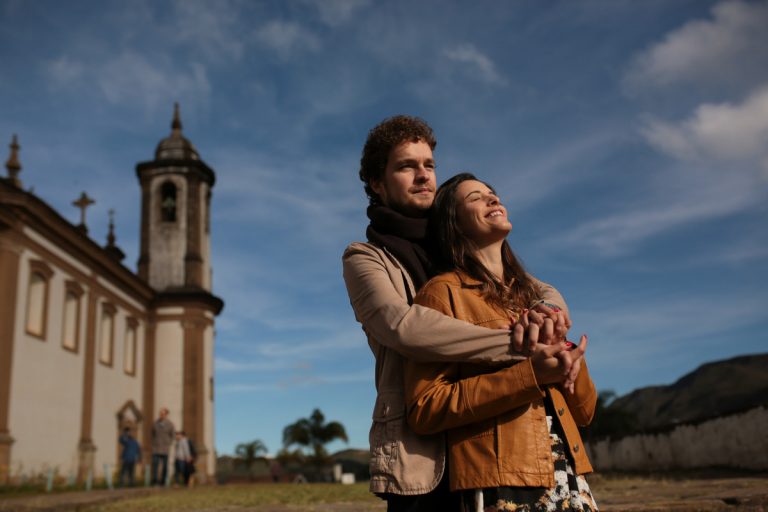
x,y
88,346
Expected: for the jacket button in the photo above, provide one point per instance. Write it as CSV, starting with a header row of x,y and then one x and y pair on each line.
x,y
576,448
560,411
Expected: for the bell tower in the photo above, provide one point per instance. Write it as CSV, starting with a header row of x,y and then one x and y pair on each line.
x,y
175,259
175,215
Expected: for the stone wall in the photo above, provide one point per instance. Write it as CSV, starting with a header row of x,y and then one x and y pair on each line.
x,y
734,441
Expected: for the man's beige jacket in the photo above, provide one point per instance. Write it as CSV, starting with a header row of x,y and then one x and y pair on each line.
x,y
381,292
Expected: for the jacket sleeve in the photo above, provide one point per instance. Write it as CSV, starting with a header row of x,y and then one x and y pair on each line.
x,y
584,399
550,295
416,332
438,399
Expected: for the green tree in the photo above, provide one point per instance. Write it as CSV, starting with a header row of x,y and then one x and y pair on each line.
x,y
314,433
248,453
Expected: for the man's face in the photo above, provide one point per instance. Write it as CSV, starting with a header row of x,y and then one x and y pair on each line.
x,y
163,413
408,185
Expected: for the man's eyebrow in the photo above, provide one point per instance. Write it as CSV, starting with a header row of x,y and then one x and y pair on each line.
x,y
409,160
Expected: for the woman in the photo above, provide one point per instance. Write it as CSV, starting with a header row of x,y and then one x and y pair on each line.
x,y
512,433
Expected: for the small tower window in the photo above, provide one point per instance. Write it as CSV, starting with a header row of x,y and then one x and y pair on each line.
x,y
168,202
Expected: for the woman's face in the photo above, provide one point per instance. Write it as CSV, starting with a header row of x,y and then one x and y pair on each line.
x,y
480,215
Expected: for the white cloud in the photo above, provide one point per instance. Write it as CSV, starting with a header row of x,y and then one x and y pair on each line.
x,y
653,327
723,132
477,62
682,198
132,79
211,27
286,38
731,48
64,70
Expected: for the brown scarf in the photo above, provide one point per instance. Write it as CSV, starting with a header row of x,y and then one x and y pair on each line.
x,y
405,237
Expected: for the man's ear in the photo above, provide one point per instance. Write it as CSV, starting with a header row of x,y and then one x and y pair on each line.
x,y
378,187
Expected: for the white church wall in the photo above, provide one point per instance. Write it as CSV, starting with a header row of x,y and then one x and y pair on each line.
x,y
40,239
169,369
120,294
46,382
113,388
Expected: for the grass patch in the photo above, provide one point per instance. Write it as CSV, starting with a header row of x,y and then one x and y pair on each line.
x,y
242,496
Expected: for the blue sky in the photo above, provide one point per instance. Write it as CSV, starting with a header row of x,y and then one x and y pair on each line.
x,y
629,141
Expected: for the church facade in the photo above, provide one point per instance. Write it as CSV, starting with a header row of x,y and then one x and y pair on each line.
x,y
89,347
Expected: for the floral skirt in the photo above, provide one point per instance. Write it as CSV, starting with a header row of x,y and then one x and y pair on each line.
x,y
570,493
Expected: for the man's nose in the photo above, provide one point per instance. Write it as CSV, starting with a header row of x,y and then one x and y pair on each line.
x,y
422,173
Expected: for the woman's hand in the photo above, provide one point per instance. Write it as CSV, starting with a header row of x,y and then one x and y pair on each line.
x,y
577,356
540,325
547,366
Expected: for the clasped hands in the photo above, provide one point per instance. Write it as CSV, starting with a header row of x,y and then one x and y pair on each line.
x,y
540,333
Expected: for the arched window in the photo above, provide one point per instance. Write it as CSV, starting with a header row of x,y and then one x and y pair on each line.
x,y
37,298
129,347
168,202
107,333
71,329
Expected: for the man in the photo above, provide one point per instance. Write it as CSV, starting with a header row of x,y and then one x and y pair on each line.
x,y
128,458
163,433
382,277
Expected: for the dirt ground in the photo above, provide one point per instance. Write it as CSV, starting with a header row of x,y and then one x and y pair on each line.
x,y
620,493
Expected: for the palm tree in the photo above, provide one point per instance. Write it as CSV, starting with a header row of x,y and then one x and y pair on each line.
x,y
248,453
314,432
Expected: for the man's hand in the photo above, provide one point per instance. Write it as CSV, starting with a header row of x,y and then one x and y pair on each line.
x,y
543,325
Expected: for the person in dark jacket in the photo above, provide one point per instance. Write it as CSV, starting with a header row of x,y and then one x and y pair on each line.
x,y
130,455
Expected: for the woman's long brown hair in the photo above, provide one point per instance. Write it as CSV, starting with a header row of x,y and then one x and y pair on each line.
x,y
456,252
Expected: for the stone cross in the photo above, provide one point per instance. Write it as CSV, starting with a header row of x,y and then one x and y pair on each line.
x,y
82,203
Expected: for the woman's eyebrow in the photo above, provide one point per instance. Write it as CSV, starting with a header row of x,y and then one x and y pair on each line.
x,y
473,192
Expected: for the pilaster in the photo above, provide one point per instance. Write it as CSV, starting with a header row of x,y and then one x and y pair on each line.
x,y
194,384
10,257
193,260
86,448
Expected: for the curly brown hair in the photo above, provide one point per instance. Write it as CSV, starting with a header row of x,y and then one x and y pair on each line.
x,y
382,138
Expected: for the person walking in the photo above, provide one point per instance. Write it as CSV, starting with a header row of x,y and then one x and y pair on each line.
x,y
163,433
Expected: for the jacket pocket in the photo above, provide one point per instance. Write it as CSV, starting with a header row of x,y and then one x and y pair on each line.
x,y
386,431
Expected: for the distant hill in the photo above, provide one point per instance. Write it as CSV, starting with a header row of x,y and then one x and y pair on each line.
x,y
713,389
